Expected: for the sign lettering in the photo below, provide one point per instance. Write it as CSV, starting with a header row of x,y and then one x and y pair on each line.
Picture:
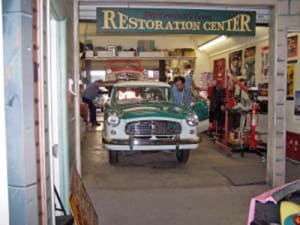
x,y
175,21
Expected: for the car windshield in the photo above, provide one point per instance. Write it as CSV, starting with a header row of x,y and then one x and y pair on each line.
x,y
125,95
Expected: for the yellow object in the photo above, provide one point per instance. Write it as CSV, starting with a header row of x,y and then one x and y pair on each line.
x,y
287,209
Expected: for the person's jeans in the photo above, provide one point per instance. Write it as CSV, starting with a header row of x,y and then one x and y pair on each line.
x,y
92,108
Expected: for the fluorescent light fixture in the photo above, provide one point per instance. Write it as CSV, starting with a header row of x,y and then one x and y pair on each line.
x,y
211,42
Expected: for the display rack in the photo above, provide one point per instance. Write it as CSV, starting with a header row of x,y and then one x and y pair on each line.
x,y
167,58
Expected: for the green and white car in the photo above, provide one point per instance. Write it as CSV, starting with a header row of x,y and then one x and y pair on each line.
x,y
141,116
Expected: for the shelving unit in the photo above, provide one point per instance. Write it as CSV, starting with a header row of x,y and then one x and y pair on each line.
x,y
167,58
161,61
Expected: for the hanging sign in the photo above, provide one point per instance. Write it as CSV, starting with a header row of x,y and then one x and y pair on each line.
x,y
81,205
175,21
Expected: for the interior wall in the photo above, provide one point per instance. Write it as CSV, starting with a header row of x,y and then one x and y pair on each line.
x,y
233,44
202,65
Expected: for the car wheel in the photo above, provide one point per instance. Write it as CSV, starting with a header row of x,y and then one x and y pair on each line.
x,y
182,155
113,157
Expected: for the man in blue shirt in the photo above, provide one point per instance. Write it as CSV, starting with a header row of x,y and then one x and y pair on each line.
x,y
188,76
181,94
88,96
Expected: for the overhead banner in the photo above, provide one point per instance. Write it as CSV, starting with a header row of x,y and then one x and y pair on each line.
x,y
175,21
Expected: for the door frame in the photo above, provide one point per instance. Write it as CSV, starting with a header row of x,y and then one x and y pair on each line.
x,y
58,126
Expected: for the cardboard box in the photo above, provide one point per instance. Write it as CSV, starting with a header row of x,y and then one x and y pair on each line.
x,y
152,54
105,54
189,53
126,54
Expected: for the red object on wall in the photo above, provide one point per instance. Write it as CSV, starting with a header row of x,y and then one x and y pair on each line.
x,y
293,146
219,70
84,112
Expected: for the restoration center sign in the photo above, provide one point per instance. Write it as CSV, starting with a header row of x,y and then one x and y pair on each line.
x,y
175,21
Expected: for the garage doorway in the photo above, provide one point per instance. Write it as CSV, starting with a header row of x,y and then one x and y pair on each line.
x,y
149,172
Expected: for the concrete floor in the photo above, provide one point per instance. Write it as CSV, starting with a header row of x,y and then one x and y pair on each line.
x,y
153,189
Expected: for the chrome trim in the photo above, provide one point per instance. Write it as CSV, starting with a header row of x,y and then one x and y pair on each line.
x,y
139,141
153,127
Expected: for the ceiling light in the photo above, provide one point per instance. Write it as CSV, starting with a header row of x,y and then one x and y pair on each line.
x,y
211,42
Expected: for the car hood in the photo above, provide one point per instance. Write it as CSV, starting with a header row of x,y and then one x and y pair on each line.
x,y
164,110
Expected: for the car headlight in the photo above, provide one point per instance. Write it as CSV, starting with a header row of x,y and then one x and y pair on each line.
x,y
113,119
192,119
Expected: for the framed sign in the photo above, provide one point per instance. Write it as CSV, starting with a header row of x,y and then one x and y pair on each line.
x,y
219,69
235,63
291,70
297,104
249,65
175,21
265,63
293,46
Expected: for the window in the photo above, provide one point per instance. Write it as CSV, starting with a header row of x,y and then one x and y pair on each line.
x,y
97,75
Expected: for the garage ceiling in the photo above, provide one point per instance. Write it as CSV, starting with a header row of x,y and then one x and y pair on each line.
x,y
87,8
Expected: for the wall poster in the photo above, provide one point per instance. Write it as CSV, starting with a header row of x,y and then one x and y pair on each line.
x,y
291,79
293,46
235,63
265,63
249,65
219,69
297,104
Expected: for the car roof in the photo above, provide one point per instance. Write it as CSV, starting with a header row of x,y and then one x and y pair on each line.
x,y
141,83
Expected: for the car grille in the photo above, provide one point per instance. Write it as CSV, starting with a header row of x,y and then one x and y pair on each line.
x,y
153,127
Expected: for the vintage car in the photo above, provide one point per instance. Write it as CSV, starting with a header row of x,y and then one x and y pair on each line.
x,y
141,116
124,70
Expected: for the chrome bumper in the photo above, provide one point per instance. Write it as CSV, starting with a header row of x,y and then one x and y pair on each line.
x,y
134,141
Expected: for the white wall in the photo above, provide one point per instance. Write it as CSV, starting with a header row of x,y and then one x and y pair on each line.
x,y
233,44
202,65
